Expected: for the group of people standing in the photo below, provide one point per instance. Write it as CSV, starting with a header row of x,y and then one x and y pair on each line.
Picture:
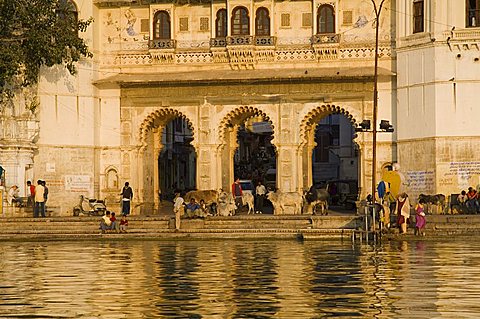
x,y
37,197
403,214
401,208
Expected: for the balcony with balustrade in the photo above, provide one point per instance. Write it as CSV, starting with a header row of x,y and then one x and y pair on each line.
x,y
326,45
162,50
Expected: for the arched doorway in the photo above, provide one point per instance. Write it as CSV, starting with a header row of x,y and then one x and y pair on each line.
x,y
330,155
177,159
167,157
247,151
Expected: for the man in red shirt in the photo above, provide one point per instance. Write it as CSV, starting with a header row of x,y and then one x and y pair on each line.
x,y
237,193
31,194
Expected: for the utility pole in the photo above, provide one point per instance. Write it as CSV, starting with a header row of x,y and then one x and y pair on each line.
x,y
378,10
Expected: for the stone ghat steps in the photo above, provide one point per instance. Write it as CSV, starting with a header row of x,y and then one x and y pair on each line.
x,y
452,224
187,235
53,228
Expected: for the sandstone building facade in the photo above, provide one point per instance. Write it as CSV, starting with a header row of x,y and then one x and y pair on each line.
x,y
218,64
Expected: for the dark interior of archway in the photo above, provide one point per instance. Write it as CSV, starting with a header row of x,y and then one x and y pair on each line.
x,y
177,160
255,160
335,161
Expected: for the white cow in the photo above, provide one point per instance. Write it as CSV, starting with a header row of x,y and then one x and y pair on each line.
x,y
226,204
280,200
248,199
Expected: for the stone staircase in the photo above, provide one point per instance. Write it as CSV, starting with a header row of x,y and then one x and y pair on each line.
x,y
445,225
157,227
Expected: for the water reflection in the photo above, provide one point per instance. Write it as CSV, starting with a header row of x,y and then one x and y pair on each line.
x,y
233,279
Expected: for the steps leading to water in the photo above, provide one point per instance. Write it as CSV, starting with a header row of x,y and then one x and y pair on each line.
x,y
243,226
253,226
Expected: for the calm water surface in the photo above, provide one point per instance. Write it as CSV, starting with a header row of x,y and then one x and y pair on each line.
x,y
232,279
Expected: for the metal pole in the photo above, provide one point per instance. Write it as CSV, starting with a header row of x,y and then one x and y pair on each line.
x,y
366,224
373,219
375,99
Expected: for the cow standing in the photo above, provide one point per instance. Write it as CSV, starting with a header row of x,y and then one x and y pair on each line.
x,y
318,198
280,200
249,200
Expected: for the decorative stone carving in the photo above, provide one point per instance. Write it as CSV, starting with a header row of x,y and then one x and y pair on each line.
x,y
241,56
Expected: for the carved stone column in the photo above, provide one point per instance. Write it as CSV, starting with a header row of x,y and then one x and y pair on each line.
x,y
286,170
157,149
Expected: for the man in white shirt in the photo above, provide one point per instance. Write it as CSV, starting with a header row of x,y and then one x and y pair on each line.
x,y
260,191
178,209
39,200
105,222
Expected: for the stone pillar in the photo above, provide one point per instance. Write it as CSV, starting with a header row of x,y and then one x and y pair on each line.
x,y
139,152
157,149
286,165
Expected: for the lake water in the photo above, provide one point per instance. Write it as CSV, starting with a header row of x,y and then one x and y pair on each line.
x,y
233,279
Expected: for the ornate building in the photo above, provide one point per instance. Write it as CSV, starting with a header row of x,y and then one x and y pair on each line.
x,y
218,64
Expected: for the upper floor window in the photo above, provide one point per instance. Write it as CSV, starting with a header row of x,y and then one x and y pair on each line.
x,y
221,24
473,13
240,21
161,25
67,10
418,16
326,19
262,22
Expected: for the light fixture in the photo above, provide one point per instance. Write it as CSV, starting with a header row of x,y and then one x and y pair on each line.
x,y
364,126
386,126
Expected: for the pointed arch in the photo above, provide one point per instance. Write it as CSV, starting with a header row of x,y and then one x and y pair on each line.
x,y
239,116
312,118
159,118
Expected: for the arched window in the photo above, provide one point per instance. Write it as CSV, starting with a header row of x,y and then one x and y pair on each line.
x,y
262,22
221,24
473,13
161,25
240,21
326,19
112,179
67,10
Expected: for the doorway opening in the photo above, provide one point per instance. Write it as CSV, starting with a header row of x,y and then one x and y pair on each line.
x,y
335,160
177,160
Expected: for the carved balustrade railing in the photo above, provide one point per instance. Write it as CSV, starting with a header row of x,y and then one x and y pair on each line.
x,y
265,41
240,40
160,44
18,129
218,42
326,38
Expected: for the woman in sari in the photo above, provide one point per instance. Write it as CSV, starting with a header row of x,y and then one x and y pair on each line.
x,y
403,212
420,220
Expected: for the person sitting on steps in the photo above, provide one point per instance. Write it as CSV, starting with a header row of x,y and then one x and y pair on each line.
x,y
193,209
106,222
